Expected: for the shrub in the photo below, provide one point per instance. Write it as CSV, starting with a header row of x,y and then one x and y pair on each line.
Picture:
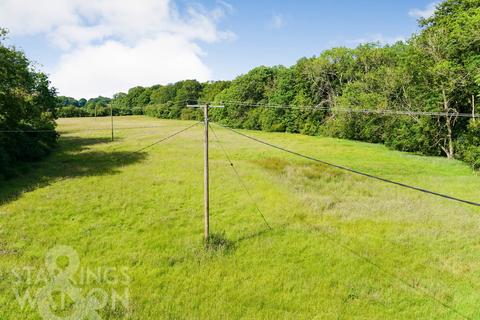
x,y
191,114
137,111
468,145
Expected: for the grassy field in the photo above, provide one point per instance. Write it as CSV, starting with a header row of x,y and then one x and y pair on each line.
x,y
341,246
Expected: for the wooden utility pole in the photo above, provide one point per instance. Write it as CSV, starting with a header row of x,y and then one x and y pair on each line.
x,y
111,119
206,186
206,182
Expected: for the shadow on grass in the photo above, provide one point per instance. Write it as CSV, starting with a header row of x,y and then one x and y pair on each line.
x,y
72,158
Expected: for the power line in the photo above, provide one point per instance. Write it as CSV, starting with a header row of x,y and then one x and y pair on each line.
x,y
349,110
116,129
159,141
352,170
244,185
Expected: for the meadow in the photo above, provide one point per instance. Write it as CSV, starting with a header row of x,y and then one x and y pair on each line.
x,y
341,246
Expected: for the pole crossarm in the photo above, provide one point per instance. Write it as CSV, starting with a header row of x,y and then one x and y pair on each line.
x,y
203,106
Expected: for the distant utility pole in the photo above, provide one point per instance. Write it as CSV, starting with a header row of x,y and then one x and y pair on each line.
x,y
206,180
111,120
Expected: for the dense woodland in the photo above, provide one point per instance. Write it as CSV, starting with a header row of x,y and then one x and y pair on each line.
x,y
436,70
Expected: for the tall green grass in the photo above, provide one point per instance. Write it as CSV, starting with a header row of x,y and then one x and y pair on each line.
x,y
341,246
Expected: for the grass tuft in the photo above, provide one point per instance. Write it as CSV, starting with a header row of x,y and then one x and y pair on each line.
x,y
218,242
272,164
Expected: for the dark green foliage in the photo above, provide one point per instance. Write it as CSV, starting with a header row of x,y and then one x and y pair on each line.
x,y
165,111
163,94
212,89
188,90
137,111
63,101
469,145
406,134
68,107
72,112
27,103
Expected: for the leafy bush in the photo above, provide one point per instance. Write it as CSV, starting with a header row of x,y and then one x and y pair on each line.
x,y
469,145
137,111
410,135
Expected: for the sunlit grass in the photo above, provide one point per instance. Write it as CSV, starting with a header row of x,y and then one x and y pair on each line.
x,y
341,247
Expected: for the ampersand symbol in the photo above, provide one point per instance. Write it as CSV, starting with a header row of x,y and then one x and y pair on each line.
x,y
62,282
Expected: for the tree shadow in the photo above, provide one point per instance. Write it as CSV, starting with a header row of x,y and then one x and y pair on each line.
x,y
72,158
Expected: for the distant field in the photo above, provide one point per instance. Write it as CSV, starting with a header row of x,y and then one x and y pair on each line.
x,y
342,246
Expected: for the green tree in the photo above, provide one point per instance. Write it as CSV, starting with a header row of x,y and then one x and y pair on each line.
x,y
27,102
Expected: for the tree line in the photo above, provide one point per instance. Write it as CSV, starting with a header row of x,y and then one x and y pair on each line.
x,y
436,70
27,103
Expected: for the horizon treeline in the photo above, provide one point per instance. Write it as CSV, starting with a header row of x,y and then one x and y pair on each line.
x,y
436,70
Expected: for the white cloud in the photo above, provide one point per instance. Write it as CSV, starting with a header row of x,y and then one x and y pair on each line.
x,y
112,45
277,21
424,13
113,66
26,17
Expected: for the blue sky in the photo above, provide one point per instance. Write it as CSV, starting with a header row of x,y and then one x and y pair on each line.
x,y
308,28
107,46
